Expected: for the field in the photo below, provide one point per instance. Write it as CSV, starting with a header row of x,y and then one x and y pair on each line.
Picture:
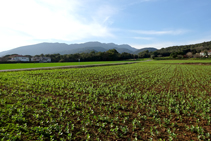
x,y
156,100
39,65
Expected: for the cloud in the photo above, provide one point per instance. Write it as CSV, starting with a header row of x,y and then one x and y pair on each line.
x,y
157,45
164,44
204,39
142,38
66,20
103,13
164,32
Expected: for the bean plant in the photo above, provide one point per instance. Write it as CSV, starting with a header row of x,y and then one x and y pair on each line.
x,y
142,101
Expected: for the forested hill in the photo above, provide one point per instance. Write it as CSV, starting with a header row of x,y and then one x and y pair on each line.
x,y
63,48
150,49
183,49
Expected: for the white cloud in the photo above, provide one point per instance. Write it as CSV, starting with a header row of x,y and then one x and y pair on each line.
x,y
160,44
143,38
205,39
163,32
157,45
11,38
24,21
103,13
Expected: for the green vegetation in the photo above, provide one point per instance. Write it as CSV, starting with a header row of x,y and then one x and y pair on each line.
x,y
182,50
181,61
153,100
178,52
38,65
110,55
144,49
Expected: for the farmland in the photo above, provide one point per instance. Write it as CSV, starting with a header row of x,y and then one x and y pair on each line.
x,y
155,100
59,64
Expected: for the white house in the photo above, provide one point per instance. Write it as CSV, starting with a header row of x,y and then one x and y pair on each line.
x,y
19,58
202,53
35,59
41,59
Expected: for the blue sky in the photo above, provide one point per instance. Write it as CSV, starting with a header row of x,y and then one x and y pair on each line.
x,y
139,23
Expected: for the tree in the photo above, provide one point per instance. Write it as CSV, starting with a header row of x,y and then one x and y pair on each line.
x,y
155,53
173,55
144,54
125,55
179,56
153,56
61,60
197,55
205,53
189,54
112,54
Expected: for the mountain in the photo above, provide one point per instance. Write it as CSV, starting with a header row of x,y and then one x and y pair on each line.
x,y
121,50
62,48
42,48
3,53
150,49
83,50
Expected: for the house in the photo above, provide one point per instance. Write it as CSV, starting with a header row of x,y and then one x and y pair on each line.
x,y
45,59
41,59
19,58
209,52
203,53
35,59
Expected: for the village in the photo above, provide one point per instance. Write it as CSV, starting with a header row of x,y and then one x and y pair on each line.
x,y
205,53
22,58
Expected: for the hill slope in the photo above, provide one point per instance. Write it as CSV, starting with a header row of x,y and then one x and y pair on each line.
x,y
150,49
62,48
183,49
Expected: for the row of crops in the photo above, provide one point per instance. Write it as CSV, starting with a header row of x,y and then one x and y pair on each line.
x,y
143,101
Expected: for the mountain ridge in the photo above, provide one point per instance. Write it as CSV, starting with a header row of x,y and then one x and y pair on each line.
x,y
150,49
63,48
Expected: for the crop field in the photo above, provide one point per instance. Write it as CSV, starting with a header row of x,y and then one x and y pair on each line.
x,y
39,65
154,100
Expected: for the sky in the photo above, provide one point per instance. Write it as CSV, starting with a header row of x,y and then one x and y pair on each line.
x,y
138,23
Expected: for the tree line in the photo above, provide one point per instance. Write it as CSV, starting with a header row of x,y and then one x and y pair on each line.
x,y
183,49
110,55
113,55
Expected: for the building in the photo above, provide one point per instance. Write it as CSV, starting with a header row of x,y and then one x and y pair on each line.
x,y
19,58
41,59
35,59
202,53
209,52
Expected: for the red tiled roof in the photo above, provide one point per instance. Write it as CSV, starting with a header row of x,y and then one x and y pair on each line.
x,y
204,51
16,56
